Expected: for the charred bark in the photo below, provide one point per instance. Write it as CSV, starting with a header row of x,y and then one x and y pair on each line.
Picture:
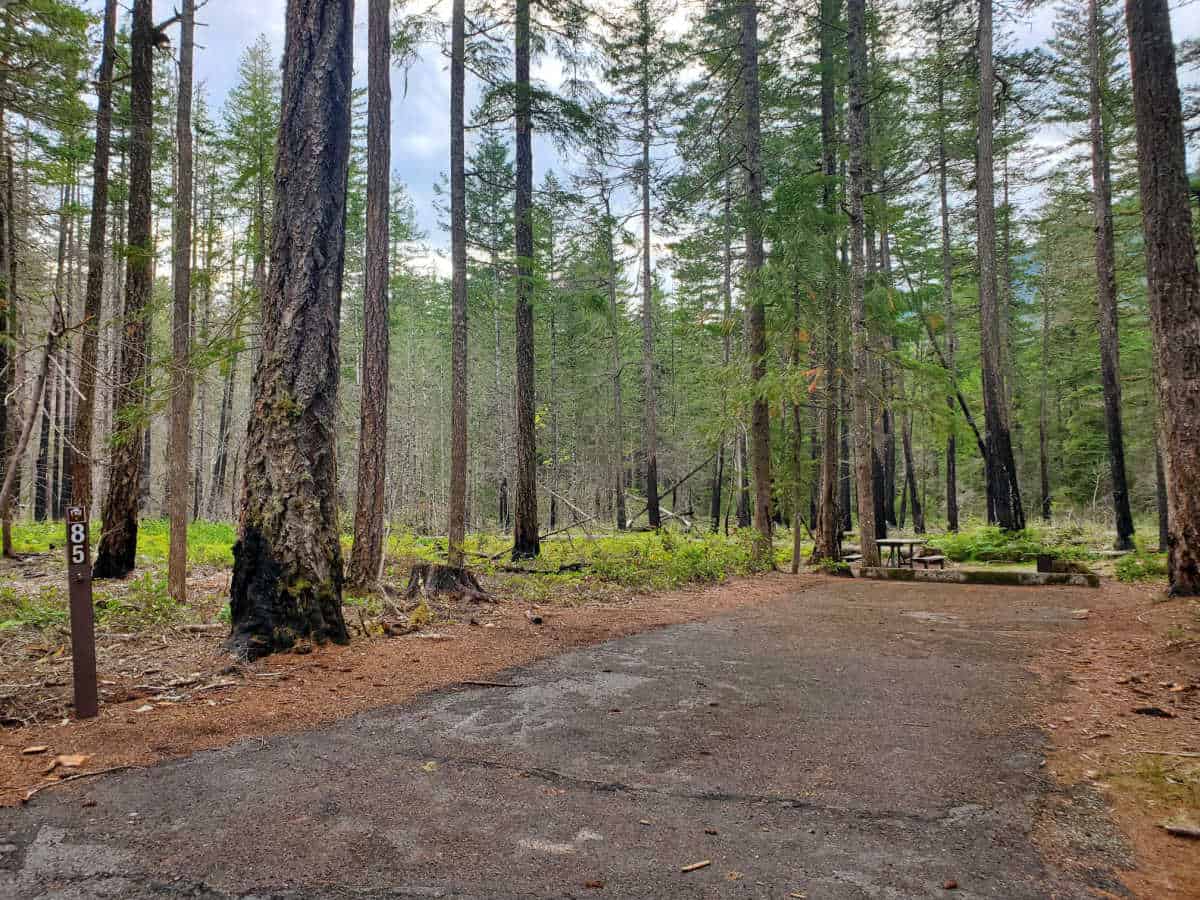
x,y
526,544
115,556
287,573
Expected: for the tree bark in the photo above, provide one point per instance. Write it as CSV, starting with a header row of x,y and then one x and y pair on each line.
x,y
85,410
856,125
525,528
1043,416
179,441
1173,278
366,557
756,327
947,296
826,527
614,322
650,424
287,573
458,288
1003,489
1106,285
115,556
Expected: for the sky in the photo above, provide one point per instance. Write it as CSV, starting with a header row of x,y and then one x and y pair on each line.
x,y
421,96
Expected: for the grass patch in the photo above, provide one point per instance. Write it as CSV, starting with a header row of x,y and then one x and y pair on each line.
x,y
46,609
209,543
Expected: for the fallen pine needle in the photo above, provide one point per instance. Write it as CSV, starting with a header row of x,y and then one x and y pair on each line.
x,y
704,863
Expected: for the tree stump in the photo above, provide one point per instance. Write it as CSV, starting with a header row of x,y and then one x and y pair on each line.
x,y
427,579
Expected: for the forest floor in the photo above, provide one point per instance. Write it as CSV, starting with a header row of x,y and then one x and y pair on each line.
x,y
898,676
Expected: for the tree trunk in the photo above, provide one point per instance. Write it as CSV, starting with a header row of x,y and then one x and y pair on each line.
x,y
650,425
910,474
1106,285
1160,497
12,417
1173,278
1043,417
366,557
617,437
756,326
116,554
458,288
826,533
287,573
856,123
525,530
179,442
1003,489
13,465
947,299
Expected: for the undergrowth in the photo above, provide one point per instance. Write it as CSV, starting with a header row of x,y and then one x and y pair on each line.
x,y
1141,566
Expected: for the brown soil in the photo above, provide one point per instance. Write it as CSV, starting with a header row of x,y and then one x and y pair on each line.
x,y
1138,650
185,695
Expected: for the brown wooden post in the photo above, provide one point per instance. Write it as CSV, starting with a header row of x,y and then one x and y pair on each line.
x,y
83,634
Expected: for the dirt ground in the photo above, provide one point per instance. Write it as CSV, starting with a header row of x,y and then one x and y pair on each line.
x,y
186,695
1138,651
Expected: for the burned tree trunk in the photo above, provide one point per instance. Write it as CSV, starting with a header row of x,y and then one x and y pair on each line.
x,y
1003,489
287,572
525,532
1173,278
85,409
118,539
863,455
756,327
826,526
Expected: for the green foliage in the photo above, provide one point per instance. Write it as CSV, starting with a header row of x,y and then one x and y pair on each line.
x,y
41,611
144,603
209,543
1142,566
988,543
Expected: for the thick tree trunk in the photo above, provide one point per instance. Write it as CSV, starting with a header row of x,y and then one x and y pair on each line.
x,y
116,553
458,289
366,557
179,443
1003,489
856,122
1106,285
756,326
525,530
1160,498
826,525
1173,278
287,573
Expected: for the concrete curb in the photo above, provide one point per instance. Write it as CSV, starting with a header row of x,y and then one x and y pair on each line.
x,y
981,576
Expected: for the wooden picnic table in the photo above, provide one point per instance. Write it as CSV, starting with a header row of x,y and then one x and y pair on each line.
x,y
895,548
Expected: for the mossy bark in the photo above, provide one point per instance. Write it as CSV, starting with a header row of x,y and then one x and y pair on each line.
x,y
287,572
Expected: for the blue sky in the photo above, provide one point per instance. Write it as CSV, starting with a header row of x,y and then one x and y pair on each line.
x,y
420,104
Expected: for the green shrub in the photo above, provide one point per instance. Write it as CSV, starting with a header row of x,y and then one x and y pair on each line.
x,y
1141,566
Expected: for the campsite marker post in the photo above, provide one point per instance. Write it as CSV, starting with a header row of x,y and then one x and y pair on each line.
x,y
83,631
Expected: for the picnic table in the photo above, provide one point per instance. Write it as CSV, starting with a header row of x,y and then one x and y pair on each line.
x,y
896,547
